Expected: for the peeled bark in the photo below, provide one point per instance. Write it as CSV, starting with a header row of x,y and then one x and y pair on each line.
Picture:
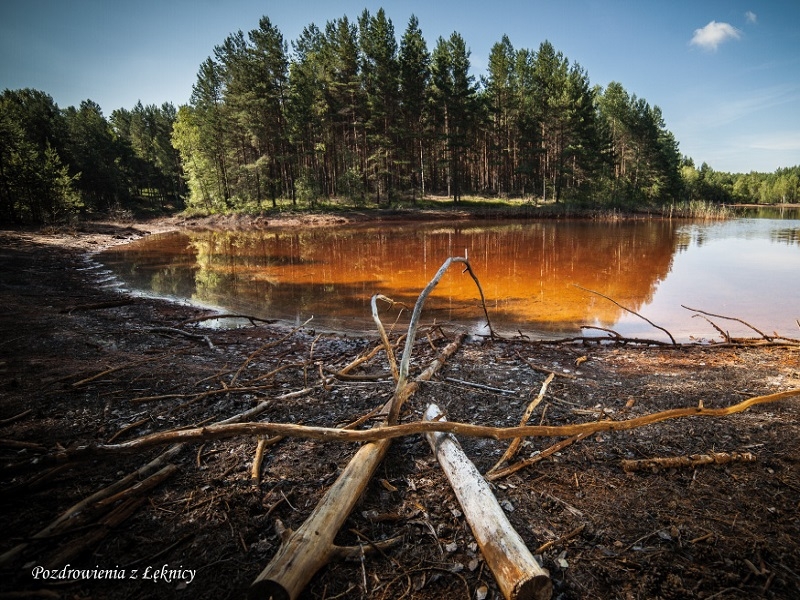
x,y
517,573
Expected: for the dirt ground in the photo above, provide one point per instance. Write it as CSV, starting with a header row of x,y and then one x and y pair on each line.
x,y
82,364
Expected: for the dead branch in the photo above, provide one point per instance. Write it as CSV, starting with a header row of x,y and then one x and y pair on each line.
x,y
15,418
200,395
115,518
263,444
516,571
515,443
128,427
7,443
693,460
98,305
58,524
108,371
745,323
305,551
479,386
271,344
382,331
157,463
253,320
543,369
625,308
493,475
174,331
330,434
725,335
564,538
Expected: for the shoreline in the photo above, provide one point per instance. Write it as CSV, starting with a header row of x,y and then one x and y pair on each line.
x,y
83,365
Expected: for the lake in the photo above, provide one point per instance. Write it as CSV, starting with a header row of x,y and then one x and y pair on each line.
x,y
540,278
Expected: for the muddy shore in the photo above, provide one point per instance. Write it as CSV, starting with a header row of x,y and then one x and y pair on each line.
x,y
83,364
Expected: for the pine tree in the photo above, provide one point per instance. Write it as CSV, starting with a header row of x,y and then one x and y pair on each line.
x,y
414,65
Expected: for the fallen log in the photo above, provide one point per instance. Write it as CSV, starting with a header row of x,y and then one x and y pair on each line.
x,y
517,573
693,460
307,550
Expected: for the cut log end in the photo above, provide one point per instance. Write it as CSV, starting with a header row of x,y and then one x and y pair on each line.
x,y
265,589
538,587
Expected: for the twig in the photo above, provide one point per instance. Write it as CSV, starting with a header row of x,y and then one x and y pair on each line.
x,y
633,312
694,460
561,540
702,312
108,371
547,370
495,475
515,443
263,444
15,418
725,335
112,489
382,332
192,336
250,318
478,386
98,305
271,344
128,427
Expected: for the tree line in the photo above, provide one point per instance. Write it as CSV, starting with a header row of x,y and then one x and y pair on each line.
x,y
780,187
55,163
351,113
355,114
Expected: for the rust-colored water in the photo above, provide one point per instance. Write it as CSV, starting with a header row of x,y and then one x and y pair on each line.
x,y
535,275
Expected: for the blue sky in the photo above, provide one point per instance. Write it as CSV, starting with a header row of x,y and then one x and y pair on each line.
x,y
725,73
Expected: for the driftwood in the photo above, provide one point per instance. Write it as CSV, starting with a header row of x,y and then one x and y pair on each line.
x,y
517,573
694,460
308,549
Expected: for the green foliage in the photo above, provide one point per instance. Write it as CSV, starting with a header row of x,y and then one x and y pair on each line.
x,y
35,183
352,114
351,186
55,164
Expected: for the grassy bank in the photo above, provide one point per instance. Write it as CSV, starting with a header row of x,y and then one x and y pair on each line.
x,y
481,208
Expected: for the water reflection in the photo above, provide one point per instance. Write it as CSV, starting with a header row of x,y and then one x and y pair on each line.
x,y
532,273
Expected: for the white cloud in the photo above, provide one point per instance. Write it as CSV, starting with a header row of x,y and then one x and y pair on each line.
x,y
751,17
713,34
779,141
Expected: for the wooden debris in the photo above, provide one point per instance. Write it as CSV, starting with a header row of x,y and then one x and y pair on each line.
x,y
225,430
495,474
311,547
694,460
633,312
263,444
305,551
513,447
517,573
